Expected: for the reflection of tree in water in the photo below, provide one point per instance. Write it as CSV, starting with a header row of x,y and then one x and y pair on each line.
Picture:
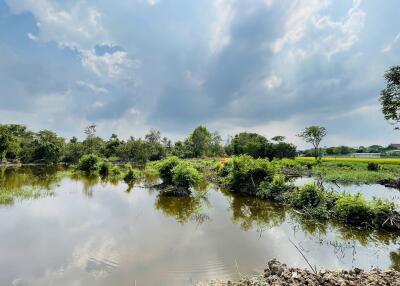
x,y
182,209
30,176
88,181
395,258
248,211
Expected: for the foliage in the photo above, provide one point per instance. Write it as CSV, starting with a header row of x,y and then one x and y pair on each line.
x,y
314,135
312,200
275,190
89,163
390,96
47,147
130,175
104,168
372,166
165,168
184,175
352,208
246,173
251,144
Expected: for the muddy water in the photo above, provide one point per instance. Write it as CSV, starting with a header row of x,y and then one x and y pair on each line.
x,y
94,233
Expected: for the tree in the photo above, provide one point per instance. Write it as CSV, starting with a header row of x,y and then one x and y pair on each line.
x,y
314,135
390,96
251,144
47,147
200,140
278,138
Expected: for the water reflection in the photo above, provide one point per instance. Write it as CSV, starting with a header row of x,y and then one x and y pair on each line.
x,y
95,232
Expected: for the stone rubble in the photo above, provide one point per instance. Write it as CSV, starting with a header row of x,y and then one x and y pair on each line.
x,y
279,274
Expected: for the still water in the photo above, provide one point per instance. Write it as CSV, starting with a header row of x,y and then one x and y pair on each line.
x,y
94,233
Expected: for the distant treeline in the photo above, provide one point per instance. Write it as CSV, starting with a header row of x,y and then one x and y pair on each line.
x,y
19,144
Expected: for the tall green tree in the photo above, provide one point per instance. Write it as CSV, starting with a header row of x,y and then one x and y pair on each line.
x,y
390,96
314,135
47,147
200,140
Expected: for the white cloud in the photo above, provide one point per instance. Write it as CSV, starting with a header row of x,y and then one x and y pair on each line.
x,y
153,2
32,37
110,65
92,87
272,81
388,47
220,28
77,27
342,35
300,13
332,36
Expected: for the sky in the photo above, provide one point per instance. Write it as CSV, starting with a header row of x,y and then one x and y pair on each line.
x,y
266,66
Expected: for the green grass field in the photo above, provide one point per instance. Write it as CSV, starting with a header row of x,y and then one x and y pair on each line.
x,y
391,161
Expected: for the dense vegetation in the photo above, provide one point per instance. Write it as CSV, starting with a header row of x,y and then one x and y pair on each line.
x,y
18,144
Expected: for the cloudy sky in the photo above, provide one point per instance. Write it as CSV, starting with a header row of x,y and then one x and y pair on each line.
x,y
267,66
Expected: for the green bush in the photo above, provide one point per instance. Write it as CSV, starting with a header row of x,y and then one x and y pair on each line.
x,y
246,174
184,175
275,190
381,208
104,169
165,168
352,208
115,172
311,200
130,175
89,163
372,166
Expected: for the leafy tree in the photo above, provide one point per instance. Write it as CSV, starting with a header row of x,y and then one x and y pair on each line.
x,y
134,150
283,150
74,150
111,146
278,138
48,147
251,144
390,96
200,140
314,135
6,141
154,146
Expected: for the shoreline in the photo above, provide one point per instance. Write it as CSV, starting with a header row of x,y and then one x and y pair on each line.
x,y
277,273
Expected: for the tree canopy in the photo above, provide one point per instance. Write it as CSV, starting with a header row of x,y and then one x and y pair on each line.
x,y
390,96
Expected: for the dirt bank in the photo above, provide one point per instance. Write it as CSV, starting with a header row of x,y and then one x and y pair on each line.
x,y
279,274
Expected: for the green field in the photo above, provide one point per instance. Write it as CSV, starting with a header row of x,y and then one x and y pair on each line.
x,y
392,161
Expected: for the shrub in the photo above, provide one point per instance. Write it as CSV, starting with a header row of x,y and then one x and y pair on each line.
x,y
381,208
184,175
130,175
115,172
246,174
311,200
275,190
104,168
89,163
352,208
166,166
372,166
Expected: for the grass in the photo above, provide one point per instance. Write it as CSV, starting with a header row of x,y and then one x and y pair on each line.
x,y
390,161
353,170
9,195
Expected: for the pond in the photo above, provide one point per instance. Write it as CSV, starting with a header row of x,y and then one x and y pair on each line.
x,y
93,233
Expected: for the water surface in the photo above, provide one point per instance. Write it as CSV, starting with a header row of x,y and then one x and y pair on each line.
x,y
94,233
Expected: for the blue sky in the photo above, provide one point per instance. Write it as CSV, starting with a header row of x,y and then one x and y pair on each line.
x,y
267,66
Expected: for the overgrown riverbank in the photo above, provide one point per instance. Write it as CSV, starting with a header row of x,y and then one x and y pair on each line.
x,y
277,273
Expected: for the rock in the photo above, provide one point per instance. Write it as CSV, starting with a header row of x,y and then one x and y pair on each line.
x,y
278,274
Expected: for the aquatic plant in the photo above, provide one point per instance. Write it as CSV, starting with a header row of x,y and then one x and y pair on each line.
x,y
275,190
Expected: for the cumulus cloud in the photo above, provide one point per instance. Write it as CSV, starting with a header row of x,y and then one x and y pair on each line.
x,y
91,86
